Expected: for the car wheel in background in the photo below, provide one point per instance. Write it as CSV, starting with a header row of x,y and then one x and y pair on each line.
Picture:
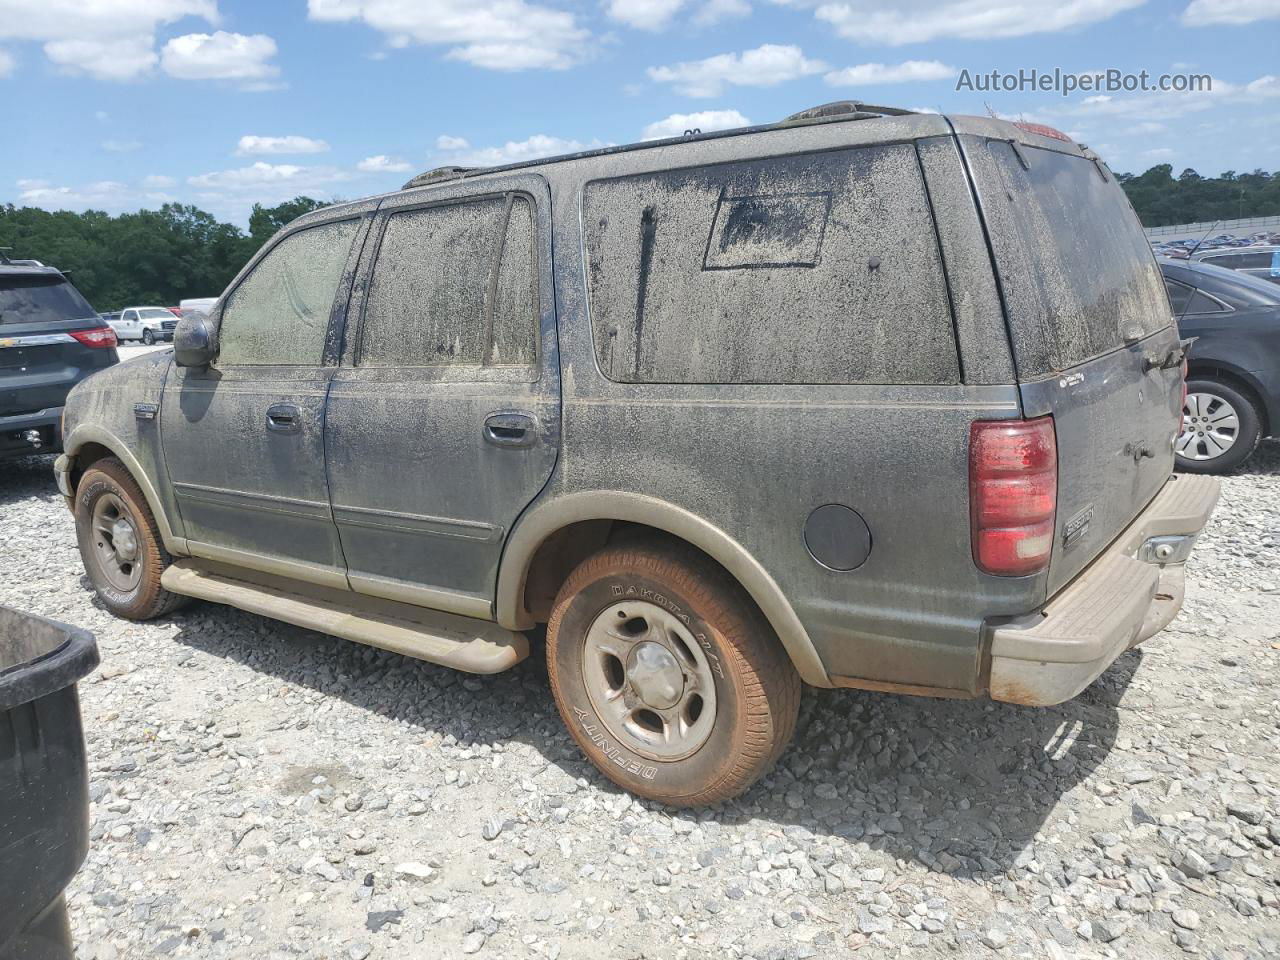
x,y
1221,427
667,675
120,545
148,337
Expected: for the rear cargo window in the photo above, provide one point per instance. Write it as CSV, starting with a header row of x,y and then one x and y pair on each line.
x,y
41,299
1077,272
818,268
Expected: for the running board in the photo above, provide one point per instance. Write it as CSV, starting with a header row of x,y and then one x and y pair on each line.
x,y
474,646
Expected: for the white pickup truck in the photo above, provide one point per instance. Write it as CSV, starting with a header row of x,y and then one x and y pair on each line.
x,y
148,324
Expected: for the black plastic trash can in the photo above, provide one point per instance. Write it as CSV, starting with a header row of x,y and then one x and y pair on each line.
x,y
44,781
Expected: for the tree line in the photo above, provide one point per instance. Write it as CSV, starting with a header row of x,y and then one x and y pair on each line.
x,y
155,257
1162,199
179,251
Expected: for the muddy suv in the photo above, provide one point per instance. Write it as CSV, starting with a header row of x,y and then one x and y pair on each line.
x,y
862,399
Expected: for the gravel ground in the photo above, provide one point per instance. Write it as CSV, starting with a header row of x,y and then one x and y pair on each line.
x,y
261,791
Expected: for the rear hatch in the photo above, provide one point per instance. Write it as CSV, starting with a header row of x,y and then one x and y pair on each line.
x,y
40,358
1091,327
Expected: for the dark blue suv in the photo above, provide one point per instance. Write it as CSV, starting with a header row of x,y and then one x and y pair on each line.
x,y
50,340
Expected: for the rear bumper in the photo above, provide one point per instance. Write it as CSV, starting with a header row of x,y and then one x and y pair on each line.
x,y
14,427
1128,593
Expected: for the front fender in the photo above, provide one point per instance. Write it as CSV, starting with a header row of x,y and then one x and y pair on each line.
x,y
544,519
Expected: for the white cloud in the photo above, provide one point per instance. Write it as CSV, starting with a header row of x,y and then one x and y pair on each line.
x,y
264,175
1201,13
916,21
251,145
538,146
446,142
220,56
644,14
7,64
107,39
909,71
494,34
765,66
713,11
121,146
109,195
383,164
157,181
704,120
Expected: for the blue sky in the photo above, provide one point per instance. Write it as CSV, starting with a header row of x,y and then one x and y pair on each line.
x,y
121,104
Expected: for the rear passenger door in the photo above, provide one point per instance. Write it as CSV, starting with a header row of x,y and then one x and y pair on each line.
x,y
443,419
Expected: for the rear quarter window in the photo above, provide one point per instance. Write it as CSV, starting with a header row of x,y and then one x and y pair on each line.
x,y
816,268
1078,275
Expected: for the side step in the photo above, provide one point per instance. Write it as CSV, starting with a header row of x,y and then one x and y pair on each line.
x,y
474,646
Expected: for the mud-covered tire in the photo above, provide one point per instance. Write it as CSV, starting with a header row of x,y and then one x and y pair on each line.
x,y
108,478
755,688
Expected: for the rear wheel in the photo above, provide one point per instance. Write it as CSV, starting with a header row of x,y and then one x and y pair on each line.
x,y
120,545
1221,427
667,676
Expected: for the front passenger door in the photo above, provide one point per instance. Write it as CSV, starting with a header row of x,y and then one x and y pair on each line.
x,y
244,440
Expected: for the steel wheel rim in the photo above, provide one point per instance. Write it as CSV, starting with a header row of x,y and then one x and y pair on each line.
x,y
116,549
649,681
1210,427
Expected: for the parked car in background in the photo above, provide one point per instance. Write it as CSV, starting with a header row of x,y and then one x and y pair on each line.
x,y
50,340
148,324
793,402
1254,260
1233,380
198,306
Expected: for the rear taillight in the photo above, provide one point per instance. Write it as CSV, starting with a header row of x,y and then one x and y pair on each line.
x,y
1013,494
98,337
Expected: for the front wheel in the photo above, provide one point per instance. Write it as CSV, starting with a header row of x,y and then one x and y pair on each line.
x,y
148,337
120,544
667,675
1221,427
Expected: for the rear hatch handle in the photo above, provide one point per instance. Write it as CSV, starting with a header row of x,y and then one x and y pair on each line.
x,y
1172,358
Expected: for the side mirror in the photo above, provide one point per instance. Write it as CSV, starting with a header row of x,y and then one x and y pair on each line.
x,y
194,343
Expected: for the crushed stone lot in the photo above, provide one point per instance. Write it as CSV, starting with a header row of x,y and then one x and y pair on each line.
x,y
262,791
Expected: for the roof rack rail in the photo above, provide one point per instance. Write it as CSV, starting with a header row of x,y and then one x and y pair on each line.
x,y
439,174
844,110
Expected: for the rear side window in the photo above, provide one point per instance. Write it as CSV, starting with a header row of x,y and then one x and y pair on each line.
x,y
279,314
1077,272
41,299
817,268
1187,300
454,285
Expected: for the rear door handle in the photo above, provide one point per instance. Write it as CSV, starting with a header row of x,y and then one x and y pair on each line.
x,y
511,429
284,418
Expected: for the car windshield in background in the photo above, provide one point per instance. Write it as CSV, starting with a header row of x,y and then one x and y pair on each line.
x,y
155,313
41,299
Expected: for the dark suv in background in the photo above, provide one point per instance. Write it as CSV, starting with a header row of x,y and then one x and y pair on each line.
x,y
50,340
867,398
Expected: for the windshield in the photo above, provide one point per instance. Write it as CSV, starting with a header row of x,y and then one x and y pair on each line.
x,y
41,299
155,313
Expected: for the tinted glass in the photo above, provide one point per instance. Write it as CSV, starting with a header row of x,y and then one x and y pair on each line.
x,y
45,299
156,313
435,299
1254,261
280,312
1228,260
1078,275
1179,296
1202,304
819,268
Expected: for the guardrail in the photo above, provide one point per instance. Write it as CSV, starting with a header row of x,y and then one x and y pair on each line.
x,y
1214,227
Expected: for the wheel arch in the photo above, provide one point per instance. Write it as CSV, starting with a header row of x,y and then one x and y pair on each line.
x,y
573,526
1243,381
89,444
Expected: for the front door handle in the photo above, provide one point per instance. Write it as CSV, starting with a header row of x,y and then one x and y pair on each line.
x,y
284,418
511,429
